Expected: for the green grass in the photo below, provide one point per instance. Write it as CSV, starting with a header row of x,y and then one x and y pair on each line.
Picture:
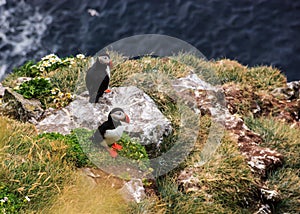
x,y
30,167
223,71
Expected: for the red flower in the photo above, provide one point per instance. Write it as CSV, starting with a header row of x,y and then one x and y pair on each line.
x,y
117,146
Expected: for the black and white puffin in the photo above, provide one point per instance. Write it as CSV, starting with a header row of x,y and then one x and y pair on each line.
x,y
97,77
111,131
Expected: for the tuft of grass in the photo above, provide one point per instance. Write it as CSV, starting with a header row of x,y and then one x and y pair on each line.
x,y
281,137
229,70
74,154
278,135
223,71
85,196
128,71
264,78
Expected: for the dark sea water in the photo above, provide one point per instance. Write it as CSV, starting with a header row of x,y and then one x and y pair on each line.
x,y
254,32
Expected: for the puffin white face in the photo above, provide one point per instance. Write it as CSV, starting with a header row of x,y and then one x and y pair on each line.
x,y
104,59
120,116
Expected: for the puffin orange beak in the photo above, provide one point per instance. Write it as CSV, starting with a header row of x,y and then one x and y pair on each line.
x,y
127,120
110,64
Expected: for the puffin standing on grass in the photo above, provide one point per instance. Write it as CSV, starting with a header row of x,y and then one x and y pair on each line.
x,y
97,78
111,131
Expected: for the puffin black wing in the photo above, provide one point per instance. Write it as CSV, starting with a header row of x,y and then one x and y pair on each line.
x,y
97,81
98,136
103,86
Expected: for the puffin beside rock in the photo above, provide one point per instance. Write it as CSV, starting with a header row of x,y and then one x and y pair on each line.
x,y
111,131
97,77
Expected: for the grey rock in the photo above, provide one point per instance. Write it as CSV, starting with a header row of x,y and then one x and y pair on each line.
x,y
2,89
294,88
148,124
290,92
210,100
270,195
264,209
133,190
23,109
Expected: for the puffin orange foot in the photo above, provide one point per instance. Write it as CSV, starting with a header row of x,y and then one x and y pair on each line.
x,y
113,153
116,146
107,91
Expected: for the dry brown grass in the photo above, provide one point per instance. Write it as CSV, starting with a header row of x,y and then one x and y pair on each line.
x,y
84,196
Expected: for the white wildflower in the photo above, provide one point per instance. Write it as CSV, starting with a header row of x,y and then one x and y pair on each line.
x,y
42,68
55,91
46,64
80,56
72,61
60,94
52,60
51,57
5,198
27,198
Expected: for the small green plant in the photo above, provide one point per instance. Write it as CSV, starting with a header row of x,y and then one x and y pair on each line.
x,y
35,88
38,88
132,149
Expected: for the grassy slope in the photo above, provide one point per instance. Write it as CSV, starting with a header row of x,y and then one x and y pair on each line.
x,y
43,168
226,179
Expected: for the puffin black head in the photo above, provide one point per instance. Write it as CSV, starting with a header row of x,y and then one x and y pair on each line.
x,y
105,59
117,115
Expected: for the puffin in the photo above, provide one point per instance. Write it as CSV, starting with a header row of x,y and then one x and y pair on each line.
x,y
111,131
97,77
